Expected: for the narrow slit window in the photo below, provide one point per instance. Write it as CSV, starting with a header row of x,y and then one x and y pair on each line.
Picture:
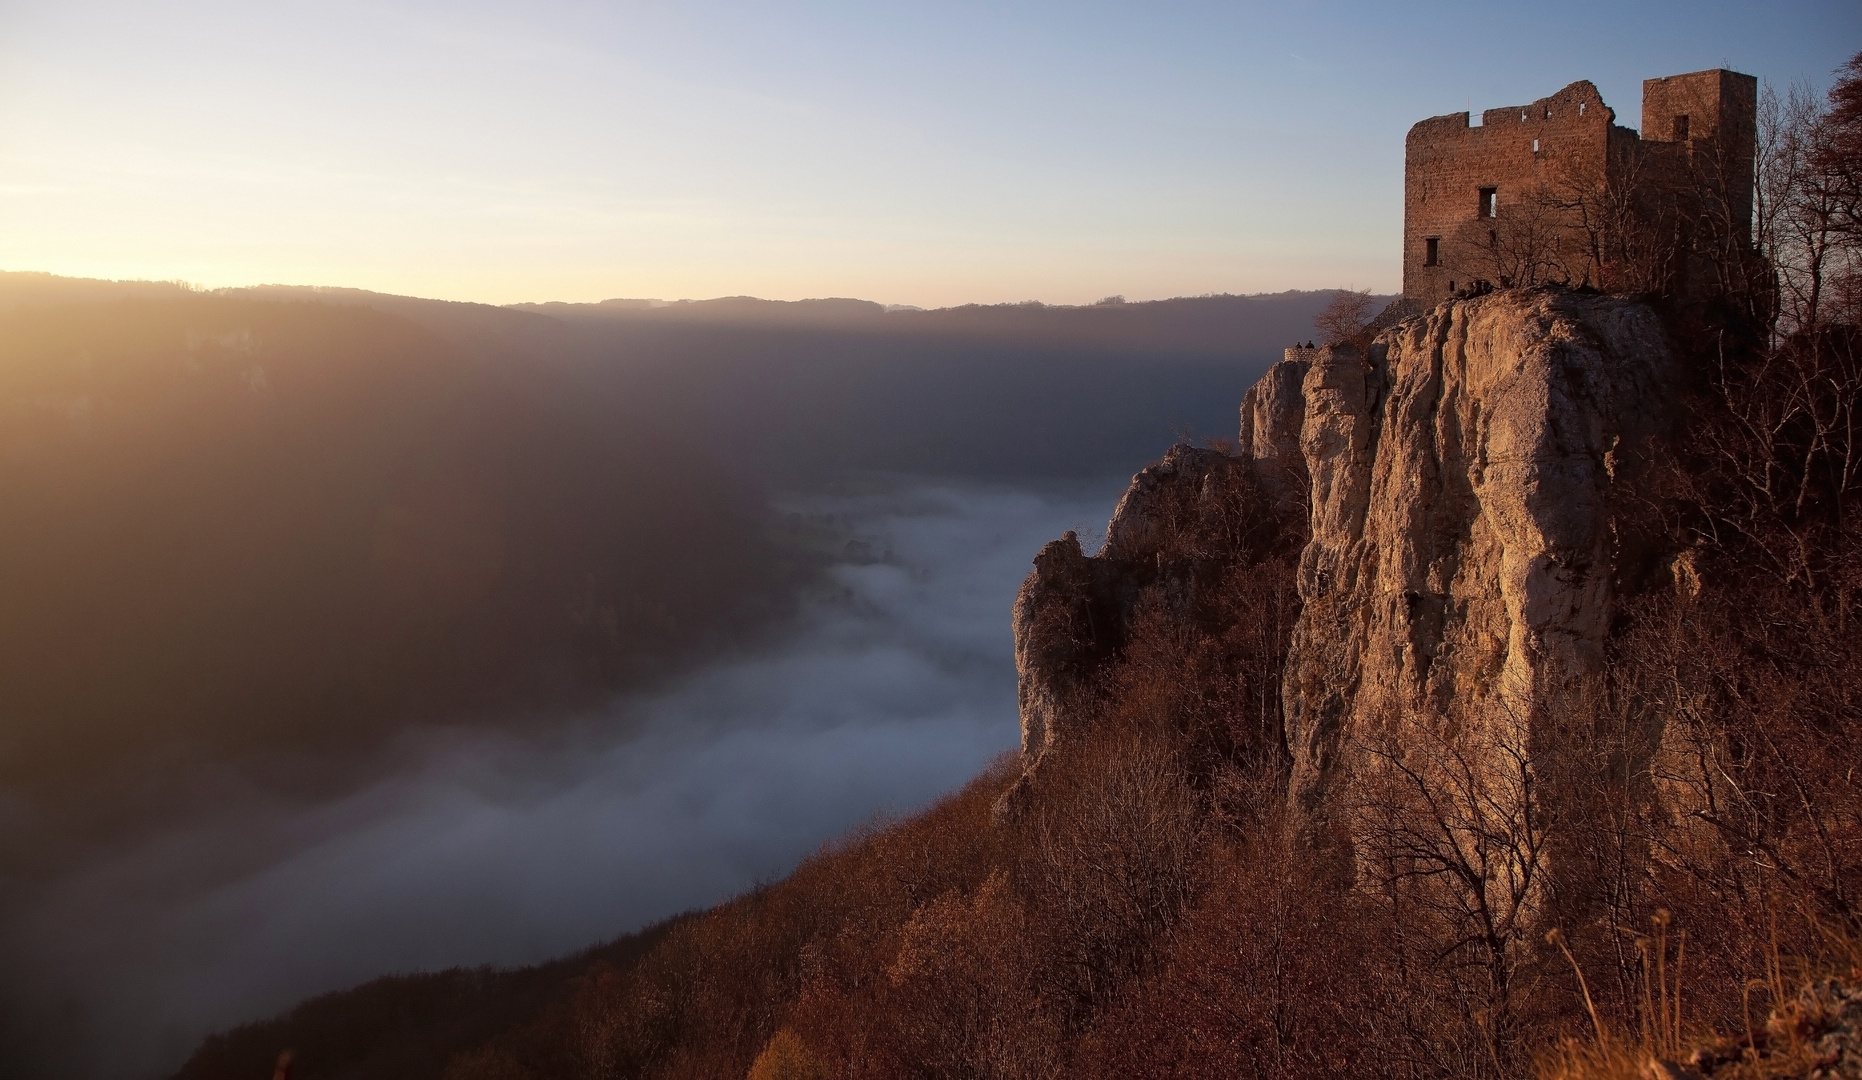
x,y
1432,251
1680,129
1490,202
1522,116
1535,146
1581,105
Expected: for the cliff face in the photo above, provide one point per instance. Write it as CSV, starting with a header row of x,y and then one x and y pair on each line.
x,y
1186,526
1463,558
1460,556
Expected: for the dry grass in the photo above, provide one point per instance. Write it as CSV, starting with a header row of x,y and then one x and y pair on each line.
x,y
1811,1012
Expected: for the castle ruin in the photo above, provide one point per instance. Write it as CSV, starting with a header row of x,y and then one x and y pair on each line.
x,y
1557,191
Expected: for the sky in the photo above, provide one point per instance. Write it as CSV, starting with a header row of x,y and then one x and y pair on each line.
x,y
911,153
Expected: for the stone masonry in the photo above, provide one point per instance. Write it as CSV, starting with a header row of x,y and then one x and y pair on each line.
x,y
1519,198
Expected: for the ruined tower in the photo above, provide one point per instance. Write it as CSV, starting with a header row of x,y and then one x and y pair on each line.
x,y
1556,190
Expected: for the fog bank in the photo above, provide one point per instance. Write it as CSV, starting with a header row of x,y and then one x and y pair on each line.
x,y
894,684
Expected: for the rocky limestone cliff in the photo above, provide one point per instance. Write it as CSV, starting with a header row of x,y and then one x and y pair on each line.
x,y
1454,492
1182,523
1273,412
1463,558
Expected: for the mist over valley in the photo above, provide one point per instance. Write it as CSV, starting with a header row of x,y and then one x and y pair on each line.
x,y
353,634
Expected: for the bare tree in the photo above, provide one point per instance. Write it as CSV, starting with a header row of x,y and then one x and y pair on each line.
x,y
1344,319
1525,246
1614,228
1810,200
1455,836
1120,852
1353,318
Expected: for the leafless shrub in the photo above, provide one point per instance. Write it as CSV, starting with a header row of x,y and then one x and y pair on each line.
x,y
1345,318
1809,200
1455,838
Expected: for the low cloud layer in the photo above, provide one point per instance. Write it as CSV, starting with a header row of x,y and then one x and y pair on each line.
x,y
508,849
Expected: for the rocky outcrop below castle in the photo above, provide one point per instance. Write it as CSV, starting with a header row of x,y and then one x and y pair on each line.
x,y
1463,561
1075,612
1453,498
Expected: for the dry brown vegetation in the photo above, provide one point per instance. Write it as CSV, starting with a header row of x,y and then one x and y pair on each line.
x,y
1353,317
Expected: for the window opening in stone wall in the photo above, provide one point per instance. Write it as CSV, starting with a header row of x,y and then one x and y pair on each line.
x,y
1451,284
1581,105
1522,116
1535,146
1490,202
1432,251
1680,129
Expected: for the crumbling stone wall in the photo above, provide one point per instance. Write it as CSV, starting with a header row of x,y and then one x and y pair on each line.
x,y
1517,199
1681,112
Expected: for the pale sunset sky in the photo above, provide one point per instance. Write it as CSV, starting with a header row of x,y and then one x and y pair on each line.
x,y
913,153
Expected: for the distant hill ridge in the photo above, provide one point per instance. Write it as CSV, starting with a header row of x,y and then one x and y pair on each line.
x,y
1215,322
1207,321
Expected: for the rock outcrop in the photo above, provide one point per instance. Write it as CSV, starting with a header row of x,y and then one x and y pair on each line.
x,y
1063,630
1458,485
1463,554
1074,612
1273,412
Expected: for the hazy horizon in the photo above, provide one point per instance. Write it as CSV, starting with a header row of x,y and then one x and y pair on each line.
x,y
928,155
336,291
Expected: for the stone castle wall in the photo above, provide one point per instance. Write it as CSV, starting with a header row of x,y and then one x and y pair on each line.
x,y
1499,201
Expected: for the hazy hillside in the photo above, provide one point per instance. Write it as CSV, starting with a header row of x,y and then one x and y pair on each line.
x,y
790,392
793,391
236,527
255,542
797,391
